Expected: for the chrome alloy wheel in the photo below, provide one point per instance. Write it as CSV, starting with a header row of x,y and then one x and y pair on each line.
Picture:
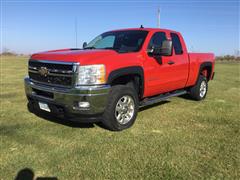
x,y
203,89
124,110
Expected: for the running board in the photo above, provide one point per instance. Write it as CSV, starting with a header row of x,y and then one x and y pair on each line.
x,y
159,98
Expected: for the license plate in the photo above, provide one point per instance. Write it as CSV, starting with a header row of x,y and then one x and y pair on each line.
x,y
44,106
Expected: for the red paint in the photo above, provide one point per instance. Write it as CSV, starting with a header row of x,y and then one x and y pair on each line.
x,y
158,78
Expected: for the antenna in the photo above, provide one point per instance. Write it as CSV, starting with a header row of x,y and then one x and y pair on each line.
x,y
76,32
158,18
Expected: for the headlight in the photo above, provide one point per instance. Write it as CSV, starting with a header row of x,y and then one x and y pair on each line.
x,y
91,74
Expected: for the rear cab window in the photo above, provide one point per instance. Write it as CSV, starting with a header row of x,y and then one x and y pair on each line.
x,y
177,46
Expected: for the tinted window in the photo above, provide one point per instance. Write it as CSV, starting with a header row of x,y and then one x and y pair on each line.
x,y
120,41
157,39
176,44
108,41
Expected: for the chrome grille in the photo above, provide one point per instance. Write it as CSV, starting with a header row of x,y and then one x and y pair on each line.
x,y
52,72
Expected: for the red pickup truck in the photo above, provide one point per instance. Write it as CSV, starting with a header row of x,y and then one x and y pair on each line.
x,y
115,74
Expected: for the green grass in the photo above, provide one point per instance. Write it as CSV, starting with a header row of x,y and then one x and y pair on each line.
x,y
181,139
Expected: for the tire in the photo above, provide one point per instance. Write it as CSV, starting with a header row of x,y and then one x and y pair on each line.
x,y
199,91
118,114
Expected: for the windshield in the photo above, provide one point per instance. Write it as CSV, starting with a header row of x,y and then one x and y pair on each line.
x,y
120,41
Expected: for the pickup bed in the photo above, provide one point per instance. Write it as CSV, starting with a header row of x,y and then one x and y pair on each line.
x,y
115,74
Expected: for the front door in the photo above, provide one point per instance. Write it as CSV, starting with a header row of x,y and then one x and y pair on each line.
x,y
168,74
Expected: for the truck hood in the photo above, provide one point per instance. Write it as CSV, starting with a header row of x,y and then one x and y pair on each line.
x,y
68,55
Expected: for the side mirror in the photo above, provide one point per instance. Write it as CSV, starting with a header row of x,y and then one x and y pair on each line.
x,y
84,45
164,50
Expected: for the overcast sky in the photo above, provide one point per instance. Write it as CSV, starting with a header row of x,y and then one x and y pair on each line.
x,y
32,26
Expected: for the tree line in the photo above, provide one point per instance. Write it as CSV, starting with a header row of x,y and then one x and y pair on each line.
x,y
7,52
228,58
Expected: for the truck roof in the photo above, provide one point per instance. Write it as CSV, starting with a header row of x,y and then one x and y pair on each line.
x,y
145,29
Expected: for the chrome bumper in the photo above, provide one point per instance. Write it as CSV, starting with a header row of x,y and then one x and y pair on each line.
x,y
68,98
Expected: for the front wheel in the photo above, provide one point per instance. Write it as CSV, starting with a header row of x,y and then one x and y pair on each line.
x,y
199,91
122,108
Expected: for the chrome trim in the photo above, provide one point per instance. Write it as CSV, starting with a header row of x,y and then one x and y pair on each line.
x,y
203,89
51,70
92,87
54,62
42,97
32,68
75,74
84,89
49,85
97,96
124,109
54,72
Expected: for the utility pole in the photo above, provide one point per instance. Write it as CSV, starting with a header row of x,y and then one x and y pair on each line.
x,y
76,32
158,18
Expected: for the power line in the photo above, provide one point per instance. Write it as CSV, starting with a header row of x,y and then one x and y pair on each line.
x,y
117,1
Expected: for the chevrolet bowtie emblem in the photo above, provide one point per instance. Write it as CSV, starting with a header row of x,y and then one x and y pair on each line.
x,y
43,71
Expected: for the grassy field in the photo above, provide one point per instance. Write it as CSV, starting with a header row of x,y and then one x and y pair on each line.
x,y
178,139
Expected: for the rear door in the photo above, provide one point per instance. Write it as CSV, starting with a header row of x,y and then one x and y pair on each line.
x,y
180,63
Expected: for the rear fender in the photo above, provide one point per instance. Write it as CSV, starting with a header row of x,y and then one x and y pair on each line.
x,y
202,69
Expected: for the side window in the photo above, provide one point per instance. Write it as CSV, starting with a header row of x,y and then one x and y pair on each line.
x,y
156,40
176,44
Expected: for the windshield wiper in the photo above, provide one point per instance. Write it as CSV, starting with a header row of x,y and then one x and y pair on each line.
x,y
111,48
89,47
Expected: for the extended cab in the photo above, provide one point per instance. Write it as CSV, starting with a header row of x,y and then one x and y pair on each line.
x,y
115,74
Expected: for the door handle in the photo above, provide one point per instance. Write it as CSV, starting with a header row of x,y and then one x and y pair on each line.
x,y
171,62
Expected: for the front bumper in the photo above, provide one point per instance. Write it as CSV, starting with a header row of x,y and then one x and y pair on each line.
x,y
64,101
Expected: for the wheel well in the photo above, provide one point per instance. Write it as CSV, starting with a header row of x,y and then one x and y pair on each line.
x,y
131,79
206,71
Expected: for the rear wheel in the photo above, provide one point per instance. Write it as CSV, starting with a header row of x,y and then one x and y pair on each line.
x,y
199,91
122,108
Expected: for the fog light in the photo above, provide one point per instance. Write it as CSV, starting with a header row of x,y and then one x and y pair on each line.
x,y
83,104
